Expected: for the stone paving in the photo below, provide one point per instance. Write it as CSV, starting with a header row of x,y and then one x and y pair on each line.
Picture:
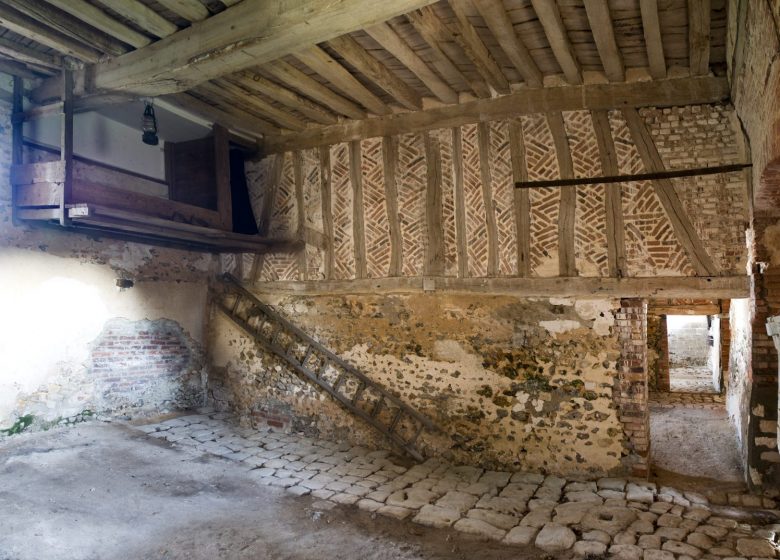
x,y
617,518
693,400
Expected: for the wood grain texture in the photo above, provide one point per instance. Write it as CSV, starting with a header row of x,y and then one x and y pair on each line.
x,y
568,206
434,247
550,18
651,28
699,15
358,223
390,159
522,201
300,208
483,133
460,203
327,212
604,35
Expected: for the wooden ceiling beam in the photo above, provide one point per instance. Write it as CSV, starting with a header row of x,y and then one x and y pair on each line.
x,y
15,68
376,71
604,35
310,87
651,28
143,16
658,93
191,10
699,14
550,17
395,45
32,29
254,103
19,52
64,23
229,117
253,81
496,18
434,33
338,76
469,40
97,18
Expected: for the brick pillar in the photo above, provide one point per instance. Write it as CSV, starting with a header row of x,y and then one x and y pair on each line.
x,y
631,385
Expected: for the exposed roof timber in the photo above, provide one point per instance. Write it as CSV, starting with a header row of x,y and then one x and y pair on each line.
x,y
340,78
651,28
191,10
376,71
434,33
385,35
660,93
310,87
469,40
550,18
143,16
604,36
699,14
251,33
67,25
238,97
18,69
32,29
21,53
229,117
253,81
494,14
99,19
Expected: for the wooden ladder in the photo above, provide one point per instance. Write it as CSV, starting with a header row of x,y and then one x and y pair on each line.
x,y
363,397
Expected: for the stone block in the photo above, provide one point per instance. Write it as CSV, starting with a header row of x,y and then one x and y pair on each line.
x,y
480,528
435,516
555,538
521,535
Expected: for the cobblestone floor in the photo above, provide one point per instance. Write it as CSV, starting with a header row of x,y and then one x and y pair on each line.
x,y
694,400
691,379
624,519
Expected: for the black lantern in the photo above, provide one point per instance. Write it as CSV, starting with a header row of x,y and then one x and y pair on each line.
x,y
150,126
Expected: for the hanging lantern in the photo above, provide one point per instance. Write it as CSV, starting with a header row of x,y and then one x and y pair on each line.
x,y
150,126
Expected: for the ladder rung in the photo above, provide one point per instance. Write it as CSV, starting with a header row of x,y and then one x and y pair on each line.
x,y
322,368
306,356
396,418
377,406
339,381
416,434
358,393
235,304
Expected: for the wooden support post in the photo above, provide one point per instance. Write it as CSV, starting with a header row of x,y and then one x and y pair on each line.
x,y
264,223
66,144
434,247
460,204
301,212
522,200
483,136
327,210
358,223
390,160
613,205
568,208
222,171
17,138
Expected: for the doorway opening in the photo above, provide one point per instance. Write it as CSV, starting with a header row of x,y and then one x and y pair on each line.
x,y
694,353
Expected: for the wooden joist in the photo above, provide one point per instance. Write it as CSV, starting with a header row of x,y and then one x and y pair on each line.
x,y
699,14
654,45
550,18
686,233
469,40
714,287
21,53
604,36
340,78
191,10
308,86
494,14
19,69
395,45
99,19
377,72
661,93
253,103
229,117
568,206
143,16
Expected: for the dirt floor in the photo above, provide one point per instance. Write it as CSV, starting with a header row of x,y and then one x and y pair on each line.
x,y
691,380
694,442
103,492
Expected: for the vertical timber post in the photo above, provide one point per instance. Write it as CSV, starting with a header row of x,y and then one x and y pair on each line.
x,y
66,145
17,138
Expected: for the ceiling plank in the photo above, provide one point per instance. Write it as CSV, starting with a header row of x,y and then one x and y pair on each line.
x,y
377,72
143,16
395,45
494,14
550,18
434,33
658,93
191,10
654,45
253,81
254,103
68,25
330,69
15,68
32,29
469,40
99,19
310,87
19,52
699,14
604,35
229,117
251,33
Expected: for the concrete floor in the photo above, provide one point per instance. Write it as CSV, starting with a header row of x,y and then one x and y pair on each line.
x,y
106,492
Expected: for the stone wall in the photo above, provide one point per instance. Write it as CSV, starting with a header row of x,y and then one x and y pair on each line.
x,y
514,383
71,341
